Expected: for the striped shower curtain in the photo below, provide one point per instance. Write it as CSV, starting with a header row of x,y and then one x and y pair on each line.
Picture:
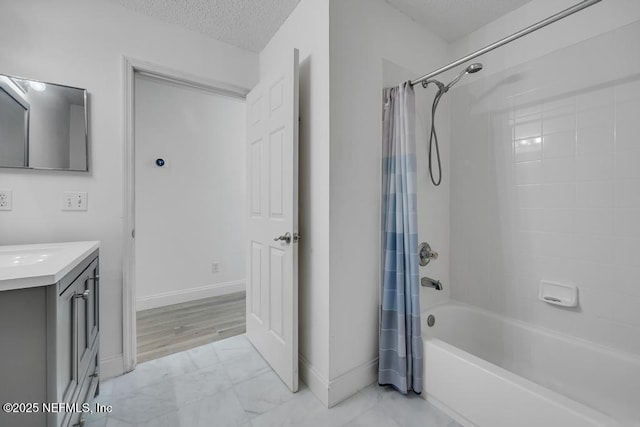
x,y
400,363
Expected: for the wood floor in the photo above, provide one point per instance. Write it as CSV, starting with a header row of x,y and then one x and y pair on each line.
x,y
170,329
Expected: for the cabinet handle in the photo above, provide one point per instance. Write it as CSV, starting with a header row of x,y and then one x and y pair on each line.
x,y
84,295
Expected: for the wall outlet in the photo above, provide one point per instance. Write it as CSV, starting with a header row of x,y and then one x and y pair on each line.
x,y
6,203
74,201
215,267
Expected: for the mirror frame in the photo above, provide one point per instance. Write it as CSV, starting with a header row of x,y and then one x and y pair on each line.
x,y
85,98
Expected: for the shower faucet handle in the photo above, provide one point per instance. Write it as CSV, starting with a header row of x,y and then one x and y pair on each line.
x,y
426,254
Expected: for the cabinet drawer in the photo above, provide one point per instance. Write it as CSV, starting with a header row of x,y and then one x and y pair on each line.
x,y
88,385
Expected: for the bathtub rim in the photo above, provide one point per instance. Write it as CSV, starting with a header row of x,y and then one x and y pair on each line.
x,y
611,351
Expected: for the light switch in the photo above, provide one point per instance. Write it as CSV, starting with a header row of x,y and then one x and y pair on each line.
x,y
74,201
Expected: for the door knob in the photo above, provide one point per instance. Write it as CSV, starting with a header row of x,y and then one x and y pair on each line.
x,y
286,237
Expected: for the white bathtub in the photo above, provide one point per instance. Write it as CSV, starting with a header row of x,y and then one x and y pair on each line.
x,y
487,370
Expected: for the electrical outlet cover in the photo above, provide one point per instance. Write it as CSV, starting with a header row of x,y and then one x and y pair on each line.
x,y
6,200
74,201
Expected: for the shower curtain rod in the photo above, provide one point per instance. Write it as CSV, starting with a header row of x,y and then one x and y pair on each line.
x,y
550,20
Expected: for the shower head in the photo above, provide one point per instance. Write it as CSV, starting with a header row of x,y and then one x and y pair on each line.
x,y
436,178
473,68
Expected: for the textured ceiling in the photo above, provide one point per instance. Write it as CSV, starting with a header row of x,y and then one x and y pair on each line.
x,y
248,24
453,19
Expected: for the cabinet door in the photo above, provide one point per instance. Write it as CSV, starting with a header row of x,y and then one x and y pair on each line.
x,y
67,361
83,301
94,299
87,299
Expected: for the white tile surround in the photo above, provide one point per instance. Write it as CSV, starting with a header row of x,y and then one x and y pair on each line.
x,y
545,184
227,383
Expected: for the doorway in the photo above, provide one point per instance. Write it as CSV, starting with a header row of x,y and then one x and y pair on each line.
x,y
272,166
190,229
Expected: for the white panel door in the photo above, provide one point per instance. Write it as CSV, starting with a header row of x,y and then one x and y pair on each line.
x,y
272,277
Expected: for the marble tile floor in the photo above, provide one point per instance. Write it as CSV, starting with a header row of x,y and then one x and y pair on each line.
x,y
227,383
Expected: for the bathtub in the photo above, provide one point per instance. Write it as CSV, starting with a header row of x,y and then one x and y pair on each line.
x,y
488,370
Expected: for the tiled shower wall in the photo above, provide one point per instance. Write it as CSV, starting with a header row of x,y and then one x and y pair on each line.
x,y
545,185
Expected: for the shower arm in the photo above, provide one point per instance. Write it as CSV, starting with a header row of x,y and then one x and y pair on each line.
x,y
550,20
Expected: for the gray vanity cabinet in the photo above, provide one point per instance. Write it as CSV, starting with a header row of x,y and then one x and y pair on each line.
x,y
49,347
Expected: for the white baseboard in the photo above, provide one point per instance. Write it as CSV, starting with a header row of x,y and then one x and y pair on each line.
x,y
351,382
111,367
332,392
312,378
185,295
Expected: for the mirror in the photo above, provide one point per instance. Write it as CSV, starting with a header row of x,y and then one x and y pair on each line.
x,y
42,125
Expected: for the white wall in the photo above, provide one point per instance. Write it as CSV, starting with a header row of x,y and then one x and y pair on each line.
x,y
81,43
190,213
545,182
307,29
364,36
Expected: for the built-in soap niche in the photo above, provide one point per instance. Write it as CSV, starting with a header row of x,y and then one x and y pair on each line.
x,y
558,294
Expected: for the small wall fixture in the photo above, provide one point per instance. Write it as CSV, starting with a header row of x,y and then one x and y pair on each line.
x,y
426,254
431,283
160,162
558,294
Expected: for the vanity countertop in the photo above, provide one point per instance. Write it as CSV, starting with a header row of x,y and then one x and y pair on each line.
x,y
28,266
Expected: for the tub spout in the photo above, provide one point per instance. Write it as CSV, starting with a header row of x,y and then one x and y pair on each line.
x,y
431,283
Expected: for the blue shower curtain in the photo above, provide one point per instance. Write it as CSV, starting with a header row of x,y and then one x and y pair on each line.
x,y
400,363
